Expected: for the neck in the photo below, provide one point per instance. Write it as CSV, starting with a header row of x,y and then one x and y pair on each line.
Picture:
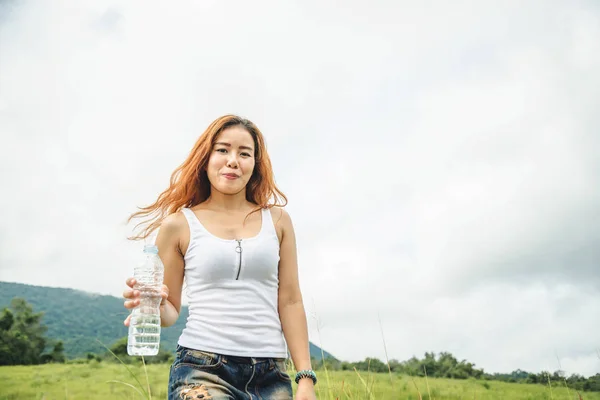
x,y
227,202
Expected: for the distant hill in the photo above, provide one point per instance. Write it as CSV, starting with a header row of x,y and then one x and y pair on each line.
x,y
78,318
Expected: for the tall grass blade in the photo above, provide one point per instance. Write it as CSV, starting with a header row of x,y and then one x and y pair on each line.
x,y
322,352
369,374
147,380
416,387
371,383
369,394
343,389
550,385
387,360
128,384
348,395
564,377
126,367
427,382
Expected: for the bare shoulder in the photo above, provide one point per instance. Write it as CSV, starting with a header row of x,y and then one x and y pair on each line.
x,y
174,223
282,221
280,216
174,229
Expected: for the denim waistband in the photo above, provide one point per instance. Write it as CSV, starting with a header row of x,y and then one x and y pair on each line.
x,y
244,360
235,359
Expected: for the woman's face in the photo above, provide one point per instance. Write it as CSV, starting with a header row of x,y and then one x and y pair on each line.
x,y
231,161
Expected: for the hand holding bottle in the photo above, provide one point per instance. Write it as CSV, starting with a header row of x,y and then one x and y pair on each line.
x,y
133,297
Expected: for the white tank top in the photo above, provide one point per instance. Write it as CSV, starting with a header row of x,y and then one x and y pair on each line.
x,y
232,288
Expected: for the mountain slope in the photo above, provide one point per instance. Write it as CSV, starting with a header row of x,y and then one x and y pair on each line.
x,y
81,319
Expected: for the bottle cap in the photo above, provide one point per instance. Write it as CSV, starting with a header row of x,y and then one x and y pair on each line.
x,y
151,248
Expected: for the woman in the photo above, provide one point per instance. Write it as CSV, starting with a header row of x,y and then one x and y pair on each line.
x,y
223,229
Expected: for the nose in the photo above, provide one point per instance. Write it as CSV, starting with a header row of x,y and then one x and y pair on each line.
x,y
232,161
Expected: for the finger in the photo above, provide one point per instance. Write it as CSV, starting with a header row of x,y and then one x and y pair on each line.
x,y
130,282
131,294
131,303
127,320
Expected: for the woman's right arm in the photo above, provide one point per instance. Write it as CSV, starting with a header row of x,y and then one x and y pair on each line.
x,y
168,242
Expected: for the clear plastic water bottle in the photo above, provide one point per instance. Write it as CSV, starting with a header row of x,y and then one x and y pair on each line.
x,y
144,327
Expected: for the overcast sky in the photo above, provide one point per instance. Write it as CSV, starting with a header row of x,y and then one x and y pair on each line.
x,y
442,161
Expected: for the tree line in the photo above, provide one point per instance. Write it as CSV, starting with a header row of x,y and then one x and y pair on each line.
x,y
445,365
22,342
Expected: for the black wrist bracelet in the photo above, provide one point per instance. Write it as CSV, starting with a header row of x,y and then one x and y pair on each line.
x,y
306,373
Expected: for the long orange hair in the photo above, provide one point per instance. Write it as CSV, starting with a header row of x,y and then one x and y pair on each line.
x,y
190,185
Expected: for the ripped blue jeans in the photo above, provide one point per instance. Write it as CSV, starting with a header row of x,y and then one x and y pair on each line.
x,y
201,375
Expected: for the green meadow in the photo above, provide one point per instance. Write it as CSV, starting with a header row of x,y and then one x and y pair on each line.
x,y
37,364
107,380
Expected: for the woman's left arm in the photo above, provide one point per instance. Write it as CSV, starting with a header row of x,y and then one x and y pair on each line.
x,y
291,306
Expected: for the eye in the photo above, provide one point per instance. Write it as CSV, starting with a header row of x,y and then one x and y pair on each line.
x,y
224,151
246,154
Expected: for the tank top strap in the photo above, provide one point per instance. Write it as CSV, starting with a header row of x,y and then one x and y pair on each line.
x,y
268,224
192,220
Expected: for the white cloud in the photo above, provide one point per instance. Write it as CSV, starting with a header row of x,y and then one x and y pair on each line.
x,y
440,162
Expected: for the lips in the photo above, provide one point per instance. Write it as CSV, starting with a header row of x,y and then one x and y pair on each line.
x,y
230,176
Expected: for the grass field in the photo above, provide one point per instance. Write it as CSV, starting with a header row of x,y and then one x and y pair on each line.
x,y
104,381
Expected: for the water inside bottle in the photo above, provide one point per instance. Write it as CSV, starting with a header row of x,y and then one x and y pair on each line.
x,y
144,328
